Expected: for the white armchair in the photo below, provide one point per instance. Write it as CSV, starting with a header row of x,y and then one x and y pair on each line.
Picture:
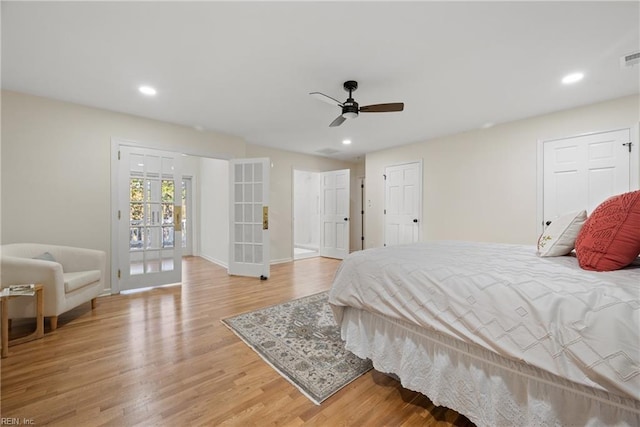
x,y
74,276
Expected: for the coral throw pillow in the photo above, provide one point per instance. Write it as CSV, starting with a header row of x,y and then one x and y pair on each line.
x,y
610,239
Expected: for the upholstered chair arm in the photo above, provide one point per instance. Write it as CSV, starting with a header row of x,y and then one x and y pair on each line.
x,y
16,271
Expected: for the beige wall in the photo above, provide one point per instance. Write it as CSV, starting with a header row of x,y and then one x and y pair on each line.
x,y
55,159
213,210
481,185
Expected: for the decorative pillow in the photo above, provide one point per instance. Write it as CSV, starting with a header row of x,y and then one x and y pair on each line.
x,y
45,256
610,239
560,236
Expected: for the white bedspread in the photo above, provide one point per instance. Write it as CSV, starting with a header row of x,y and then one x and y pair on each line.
x,y
547,312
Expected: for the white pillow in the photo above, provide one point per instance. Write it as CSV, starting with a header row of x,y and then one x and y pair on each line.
x,y
560,236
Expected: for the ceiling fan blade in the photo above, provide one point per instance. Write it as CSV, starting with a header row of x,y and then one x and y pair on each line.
x,y
382,108
337,122
325,98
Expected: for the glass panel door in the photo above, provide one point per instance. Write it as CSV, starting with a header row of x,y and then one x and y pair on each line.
x,y
249,218
150,218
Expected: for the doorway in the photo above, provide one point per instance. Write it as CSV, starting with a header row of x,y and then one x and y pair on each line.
x,y
321,214
306,214
145,244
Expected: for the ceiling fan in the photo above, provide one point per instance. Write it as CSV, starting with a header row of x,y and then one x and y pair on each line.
x,y
350,108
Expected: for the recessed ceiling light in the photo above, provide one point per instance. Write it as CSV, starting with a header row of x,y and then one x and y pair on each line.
x,y
572,78
346,141
147,90
487,125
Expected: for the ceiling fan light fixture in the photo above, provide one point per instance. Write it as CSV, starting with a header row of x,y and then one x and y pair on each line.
x,y
350,115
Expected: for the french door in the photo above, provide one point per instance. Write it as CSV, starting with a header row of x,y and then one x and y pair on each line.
x,y
249,217
334,213
150,218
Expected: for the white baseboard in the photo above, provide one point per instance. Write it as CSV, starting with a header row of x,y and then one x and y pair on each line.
x,y
305,246
215,261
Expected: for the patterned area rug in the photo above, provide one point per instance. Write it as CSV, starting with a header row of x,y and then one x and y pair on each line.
x,y
301,340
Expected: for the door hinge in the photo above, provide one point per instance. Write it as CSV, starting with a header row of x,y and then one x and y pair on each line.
x,y
118,214
385,211
361,185
118,273
118,154
362,238
361,212
385,176
628,144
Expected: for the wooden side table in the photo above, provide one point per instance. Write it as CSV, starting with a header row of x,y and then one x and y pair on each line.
x,y
4,324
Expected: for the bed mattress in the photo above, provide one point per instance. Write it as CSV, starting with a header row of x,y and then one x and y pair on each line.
x,y
546,312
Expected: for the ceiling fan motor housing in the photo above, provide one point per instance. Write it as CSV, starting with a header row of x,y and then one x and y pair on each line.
x,y
350,109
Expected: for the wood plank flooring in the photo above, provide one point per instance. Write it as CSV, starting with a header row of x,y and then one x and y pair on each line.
x,y
163,358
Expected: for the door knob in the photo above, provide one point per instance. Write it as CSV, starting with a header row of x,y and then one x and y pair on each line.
x,y
415,220
346,219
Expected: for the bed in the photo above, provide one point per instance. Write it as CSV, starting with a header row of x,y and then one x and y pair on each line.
x,y
497,333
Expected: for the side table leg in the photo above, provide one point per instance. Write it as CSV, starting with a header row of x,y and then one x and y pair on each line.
x,y
5,328
39,313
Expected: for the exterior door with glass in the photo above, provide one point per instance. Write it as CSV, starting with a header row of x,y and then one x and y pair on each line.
x,y
150,218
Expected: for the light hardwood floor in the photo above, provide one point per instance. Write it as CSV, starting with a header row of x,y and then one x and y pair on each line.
x,y
163,358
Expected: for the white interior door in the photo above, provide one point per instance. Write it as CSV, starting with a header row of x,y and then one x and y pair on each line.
x,y
334,213
249,217
403,203
149,212
581,172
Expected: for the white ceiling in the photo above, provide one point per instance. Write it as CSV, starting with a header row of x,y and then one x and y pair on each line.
x,y
246,68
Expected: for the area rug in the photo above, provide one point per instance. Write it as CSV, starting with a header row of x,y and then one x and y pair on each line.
x,y
301,341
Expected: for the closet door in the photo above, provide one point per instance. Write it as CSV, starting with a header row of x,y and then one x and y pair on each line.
x,y
402,203
582,171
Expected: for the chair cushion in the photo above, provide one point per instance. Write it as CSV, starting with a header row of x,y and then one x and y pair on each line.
x,y
80,279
